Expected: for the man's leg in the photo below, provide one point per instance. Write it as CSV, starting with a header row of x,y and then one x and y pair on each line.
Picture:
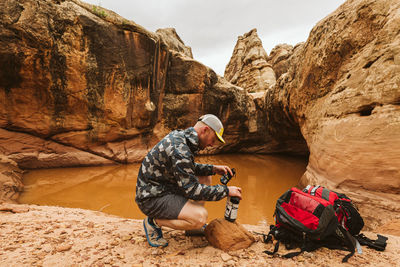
x,y
192,216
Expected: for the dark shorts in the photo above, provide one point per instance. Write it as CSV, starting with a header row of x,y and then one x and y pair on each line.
x,y
165,207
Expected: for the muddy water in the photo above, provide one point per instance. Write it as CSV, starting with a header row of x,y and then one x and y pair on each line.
x,y
111,189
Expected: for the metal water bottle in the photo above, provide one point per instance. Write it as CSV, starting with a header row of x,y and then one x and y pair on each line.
x,y
231,209
227,177
232,203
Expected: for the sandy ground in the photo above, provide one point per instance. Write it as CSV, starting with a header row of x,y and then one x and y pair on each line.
x,y
33,235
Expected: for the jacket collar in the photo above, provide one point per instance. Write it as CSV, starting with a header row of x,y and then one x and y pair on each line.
x,y
192,139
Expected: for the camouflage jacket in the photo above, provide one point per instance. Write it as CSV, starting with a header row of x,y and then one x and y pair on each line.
x,y
169,168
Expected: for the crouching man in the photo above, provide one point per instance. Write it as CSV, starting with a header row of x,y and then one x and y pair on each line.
x,y
170,184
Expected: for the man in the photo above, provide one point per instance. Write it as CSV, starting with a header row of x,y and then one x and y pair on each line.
x,y
170,183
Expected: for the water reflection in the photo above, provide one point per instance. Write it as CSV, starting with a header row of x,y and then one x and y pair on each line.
x,y
111,189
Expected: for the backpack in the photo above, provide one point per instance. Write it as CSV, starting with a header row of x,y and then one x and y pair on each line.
x,y
318,217
347,214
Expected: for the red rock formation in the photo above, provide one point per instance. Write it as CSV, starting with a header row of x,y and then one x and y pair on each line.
x,y
79,76
173,41
341,89
344,92
248,66
96,88
251,69
10,180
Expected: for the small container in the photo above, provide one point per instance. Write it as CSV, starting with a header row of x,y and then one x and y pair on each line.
x,y
231,209
227,177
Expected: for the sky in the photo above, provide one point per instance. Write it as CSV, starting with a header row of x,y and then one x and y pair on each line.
x,y
211,27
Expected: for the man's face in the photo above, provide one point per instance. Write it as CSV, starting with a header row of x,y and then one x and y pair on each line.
x,y
208,138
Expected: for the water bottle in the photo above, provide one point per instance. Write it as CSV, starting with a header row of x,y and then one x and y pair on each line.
x,y
231,209
227,177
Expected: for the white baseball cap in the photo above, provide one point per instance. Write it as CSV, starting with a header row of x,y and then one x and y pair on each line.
x,y
214,123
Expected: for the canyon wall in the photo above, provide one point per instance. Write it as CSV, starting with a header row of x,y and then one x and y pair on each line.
x,y
340,90
80,85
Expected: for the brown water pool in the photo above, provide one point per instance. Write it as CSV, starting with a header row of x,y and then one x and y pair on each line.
x,y
111,189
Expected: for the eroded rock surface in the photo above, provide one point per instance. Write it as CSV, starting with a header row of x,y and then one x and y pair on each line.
x,y
248,66
345,93
97,88
174,42
10,180
340,90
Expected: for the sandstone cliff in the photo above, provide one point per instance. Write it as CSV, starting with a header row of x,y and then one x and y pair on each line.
x,y
252,69
80,85
248,67
344,91
341,89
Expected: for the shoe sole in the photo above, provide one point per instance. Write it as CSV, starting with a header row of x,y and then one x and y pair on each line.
x,y
148,239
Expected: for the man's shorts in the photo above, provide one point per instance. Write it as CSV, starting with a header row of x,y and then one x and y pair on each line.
x,y
165,207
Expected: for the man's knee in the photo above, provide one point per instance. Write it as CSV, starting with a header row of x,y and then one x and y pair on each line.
x,y
202,216
195,214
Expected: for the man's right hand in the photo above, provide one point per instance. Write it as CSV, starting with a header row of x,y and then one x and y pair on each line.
x,y
235,191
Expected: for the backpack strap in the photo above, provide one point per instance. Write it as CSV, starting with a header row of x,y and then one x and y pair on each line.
x,y
307,245
275,249
349,241
314,190
378,244
305,190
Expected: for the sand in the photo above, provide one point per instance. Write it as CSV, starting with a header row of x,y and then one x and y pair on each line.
x,y
53,236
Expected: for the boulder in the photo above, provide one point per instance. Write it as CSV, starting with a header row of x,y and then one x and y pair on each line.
x,y
228,236
10,180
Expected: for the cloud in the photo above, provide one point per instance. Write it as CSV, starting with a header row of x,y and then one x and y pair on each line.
x,y
211,27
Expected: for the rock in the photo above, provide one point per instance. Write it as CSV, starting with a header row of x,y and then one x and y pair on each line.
x,y
225,257
63,247
10,182
248,66
126,237
392,227
344,91
14,208
100,105
174,42
228,236
279,58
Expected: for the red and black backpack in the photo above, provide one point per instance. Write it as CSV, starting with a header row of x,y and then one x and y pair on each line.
x,y
318,217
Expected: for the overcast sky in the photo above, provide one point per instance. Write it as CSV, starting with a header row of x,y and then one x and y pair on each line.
x,y
211,27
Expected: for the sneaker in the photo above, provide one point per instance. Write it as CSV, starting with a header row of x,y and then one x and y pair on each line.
x,y
196,232
154,234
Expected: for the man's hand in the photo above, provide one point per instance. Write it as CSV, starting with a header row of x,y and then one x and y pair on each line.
x,y
235,191
221,169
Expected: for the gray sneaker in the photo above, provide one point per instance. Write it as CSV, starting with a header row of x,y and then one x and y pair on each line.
x,y
154,234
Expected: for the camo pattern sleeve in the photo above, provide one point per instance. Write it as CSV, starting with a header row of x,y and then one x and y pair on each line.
x,y
203,169
169,168
184,173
